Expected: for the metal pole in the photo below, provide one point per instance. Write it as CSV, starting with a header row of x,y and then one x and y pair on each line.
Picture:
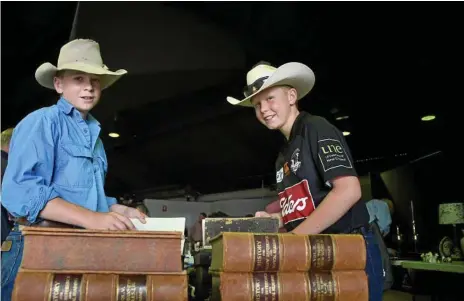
x,y
72,35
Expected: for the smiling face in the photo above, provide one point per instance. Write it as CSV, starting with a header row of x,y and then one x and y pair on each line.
x,y
81,89
276,108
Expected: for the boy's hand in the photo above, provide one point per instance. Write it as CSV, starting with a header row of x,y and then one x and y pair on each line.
x,y
62,211
262,214
109,221
129,212
278,216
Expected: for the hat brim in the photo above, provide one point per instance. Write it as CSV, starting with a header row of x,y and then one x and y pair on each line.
x,y
296,75
46,72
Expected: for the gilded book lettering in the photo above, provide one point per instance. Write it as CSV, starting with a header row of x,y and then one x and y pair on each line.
x,y
265,287
322,253
132,288
266,252
66,287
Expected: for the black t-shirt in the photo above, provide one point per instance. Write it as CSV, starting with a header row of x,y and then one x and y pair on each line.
x,y
315,154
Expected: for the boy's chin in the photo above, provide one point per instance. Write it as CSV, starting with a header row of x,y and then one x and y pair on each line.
x,y
87,106
272,127
84,109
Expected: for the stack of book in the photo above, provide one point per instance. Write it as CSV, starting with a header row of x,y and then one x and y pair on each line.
x,y
284,266
212,227
94,265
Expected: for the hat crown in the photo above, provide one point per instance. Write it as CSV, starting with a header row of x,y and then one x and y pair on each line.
x,y
259,72
80,50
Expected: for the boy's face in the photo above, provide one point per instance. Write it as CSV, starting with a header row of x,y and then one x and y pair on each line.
x,y
81,89
273,106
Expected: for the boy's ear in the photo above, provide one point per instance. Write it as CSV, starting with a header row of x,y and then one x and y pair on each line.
x,y
292,96
58,83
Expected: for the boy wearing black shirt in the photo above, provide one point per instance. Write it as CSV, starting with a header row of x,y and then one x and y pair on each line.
x,y
318,187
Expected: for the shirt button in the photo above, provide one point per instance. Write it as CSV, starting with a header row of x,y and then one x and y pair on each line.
x,y
85,131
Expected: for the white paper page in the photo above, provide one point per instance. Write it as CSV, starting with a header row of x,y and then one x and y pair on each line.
x,y
162,224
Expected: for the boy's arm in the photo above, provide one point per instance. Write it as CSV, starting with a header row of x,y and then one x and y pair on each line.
x,y
333,160
26,183
62,211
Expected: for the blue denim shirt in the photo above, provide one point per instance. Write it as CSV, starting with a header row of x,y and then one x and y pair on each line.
x,y
54,152
379,211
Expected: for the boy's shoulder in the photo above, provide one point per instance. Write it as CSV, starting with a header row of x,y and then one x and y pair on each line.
x,y
46,114
310,119
315,122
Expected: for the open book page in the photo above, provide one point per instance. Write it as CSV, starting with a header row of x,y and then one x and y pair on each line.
x,y
162,224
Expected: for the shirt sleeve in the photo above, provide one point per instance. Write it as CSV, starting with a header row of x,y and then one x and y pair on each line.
x,y
330,151
111,201
27,180
384,218
371,208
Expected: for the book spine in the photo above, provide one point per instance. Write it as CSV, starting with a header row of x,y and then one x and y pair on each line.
x,y
32,286
99,253
314,286
290,253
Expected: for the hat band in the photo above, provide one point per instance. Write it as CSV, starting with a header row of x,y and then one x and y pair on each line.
x,y
62,64
255,86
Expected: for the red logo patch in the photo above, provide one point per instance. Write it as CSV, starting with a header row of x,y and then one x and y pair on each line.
x,y
296,202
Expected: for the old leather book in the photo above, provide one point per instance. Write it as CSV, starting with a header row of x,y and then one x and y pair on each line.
x,y
100,251
285,252
37,286
214,226
326,286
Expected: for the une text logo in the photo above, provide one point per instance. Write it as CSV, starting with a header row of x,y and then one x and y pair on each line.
x,y
328,149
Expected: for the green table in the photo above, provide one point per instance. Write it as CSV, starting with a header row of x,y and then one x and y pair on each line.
x,y
451,267
423,278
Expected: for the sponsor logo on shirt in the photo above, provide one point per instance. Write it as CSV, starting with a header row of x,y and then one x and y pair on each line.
x,y
280,175
332,155
296,163
296,202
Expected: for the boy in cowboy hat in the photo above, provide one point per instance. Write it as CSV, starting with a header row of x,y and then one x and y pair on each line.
x,y
318,187
57,167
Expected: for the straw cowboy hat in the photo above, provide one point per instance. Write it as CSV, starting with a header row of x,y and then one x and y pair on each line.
x,y
263,76
79,55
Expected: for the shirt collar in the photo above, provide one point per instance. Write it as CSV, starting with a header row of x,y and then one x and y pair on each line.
x,y
65,106
91,119
68,108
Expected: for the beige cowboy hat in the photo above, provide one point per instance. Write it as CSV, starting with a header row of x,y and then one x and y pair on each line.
x,y
79,55
263,76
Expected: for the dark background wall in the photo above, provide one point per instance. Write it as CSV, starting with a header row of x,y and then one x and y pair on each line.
x,y
428,182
